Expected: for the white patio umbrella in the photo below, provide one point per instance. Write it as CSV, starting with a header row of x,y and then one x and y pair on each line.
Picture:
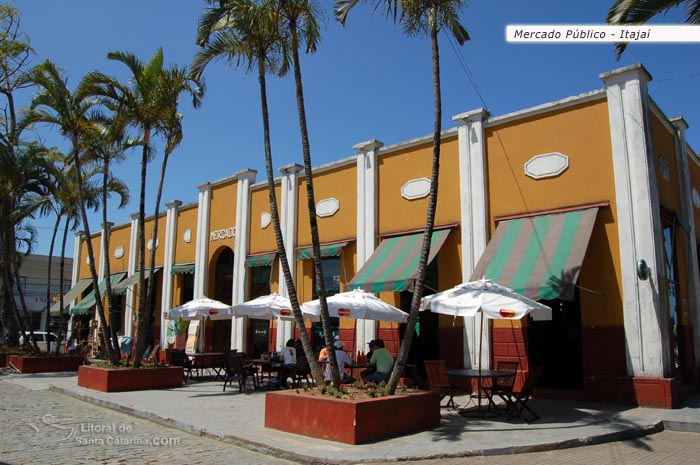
x,y
488,298
268,307
357,304
199,309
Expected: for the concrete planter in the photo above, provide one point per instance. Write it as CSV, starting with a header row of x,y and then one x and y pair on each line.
x,y
129,379
45,363
351,421
4,356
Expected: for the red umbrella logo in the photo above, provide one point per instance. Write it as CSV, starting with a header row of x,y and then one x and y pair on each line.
x,y
505,313
344,312
213,311
285,312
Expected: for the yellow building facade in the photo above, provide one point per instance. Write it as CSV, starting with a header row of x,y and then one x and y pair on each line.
x,y
589,204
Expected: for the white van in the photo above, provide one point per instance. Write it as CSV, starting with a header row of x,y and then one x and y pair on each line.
x,y
45,341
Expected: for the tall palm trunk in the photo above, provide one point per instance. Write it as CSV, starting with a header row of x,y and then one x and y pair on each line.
x,y
48,275
112,334
23,306
284,263
152,279
61,277
142,312
310,199
405,348
11,318
91,253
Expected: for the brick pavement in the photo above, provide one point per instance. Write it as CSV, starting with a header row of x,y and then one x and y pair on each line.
x,y
45,427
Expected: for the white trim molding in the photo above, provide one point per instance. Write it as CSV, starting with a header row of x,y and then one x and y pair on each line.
x,y
201,263
238,325
288,224
639,222
474,219
171,217
366,330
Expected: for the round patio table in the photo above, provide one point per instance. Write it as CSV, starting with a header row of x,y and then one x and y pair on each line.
x,y
480,375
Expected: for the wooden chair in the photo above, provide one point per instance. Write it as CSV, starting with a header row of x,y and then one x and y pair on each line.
x,y
234,370
501,385
302,372
517,401
179,358
436,372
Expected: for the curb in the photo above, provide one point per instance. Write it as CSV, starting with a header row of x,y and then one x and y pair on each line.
x,y
632,432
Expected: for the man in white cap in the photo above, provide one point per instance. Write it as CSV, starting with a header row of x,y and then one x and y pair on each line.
x,y
343,359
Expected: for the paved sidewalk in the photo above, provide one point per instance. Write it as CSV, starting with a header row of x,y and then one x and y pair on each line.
x,y
202,408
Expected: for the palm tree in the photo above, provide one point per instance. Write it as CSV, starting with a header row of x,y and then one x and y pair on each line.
x,y
420,18
624,12
300,25
74,115
149,103
246,33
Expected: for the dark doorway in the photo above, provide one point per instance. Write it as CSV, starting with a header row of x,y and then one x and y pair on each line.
x,y
224,287
259,337
556,345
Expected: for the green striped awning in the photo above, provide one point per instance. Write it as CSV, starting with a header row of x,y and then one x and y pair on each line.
x,y
121,287
332,250
394,265
183,268
260,260
539,257
70,296
89,300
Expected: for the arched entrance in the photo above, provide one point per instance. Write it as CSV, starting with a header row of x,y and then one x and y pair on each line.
x,y
223,288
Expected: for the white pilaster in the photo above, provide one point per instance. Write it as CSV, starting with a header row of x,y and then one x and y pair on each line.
x,y
366,330
130,291
104,238
474,222
238,325
687,216
201,264
639,224
168,261
288,224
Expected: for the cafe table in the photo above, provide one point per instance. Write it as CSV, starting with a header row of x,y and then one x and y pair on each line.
x,y
479,375
211,362
265,365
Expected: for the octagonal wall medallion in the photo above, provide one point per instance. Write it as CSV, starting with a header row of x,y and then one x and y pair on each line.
x,y
119,252
696,198
327,207
265,220
416,189
187,236
547,165
149,246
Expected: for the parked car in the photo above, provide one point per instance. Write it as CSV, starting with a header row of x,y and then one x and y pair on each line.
x,y
45,341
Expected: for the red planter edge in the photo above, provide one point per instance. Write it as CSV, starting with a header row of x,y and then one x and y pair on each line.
x,y
129,379
351,421
45,363
4,356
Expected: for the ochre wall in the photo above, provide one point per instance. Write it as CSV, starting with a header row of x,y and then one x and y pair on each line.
x,y
119,237
186,219
160,249
582,133
84,271
262,239
222,211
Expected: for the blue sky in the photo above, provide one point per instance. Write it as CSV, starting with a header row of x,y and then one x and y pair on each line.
x,y
367,80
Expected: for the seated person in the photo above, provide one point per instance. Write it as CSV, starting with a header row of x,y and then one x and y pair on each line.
x,y
323,355
382,361
289,358
343,360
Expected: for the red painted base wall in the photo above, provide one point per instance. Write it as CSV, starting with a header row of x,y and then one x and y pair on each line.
x,y
129,379
45,364
351,421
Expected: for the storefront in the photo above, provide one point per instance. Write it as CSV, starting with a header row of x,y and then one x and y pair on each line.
x,y
589,204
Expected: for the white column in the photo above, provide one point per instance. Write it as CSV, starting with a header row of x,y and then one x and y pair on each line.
x,y
692,273
168,261
131,269
104,237
288,224
639,224
238,325
201,264
77,242
474,221
367,201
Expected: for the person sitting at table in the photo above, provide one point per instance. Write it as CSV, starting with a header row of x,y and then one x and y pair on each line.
x,y
323,355
343,360
289,360
382,361
299,348
368,356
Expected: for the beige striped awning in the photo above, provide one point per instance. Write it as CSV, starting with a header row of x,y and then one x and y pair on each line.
x,y
540,256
